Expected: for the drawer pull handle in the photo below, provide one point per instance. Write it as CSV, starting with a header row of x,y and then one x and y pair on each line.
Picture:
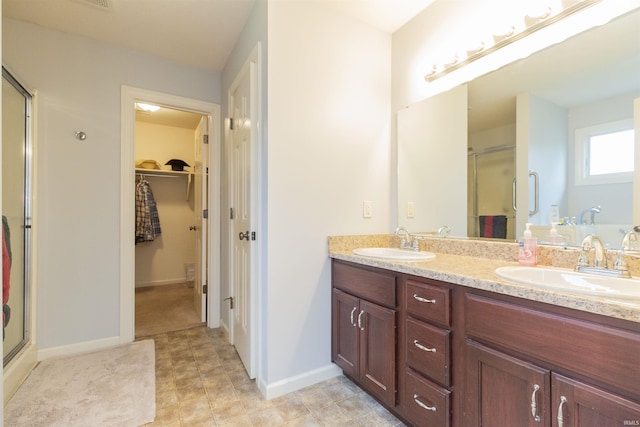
x,y
421,347
417,298
422,404
360,320
353,323
563,400
534,405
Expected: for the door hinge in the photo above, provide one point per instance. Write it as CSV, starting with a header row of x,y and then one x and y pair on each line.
x,y
205,213
205,139
205,289
253,235
232,123
231,216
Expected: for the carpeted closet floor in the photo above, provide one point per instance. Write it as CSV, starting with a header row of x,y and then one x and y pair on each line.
x,y
164,308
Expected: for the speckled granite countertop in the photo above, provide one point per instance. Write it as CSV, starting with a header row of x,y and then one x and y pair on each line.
x,y
479,273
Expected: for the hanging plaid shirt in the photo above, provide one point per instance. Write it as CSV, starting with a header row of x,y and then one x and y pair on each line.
x,y
147,219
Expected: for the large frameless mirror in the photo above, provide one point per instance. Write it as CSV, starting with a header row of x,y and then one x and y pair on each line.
x,y
16,214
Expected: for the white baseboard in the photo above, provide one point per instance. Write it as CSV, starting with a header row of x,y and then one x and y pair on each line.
x,y
224,326
288,385
161,282
82,347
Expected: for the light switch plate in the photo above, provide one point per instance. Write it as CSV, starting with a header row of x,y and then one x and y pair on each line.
x,y
410,210
367,209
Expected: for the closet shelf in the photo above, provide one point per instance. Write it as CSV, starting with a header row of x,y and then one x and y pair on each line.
x,y
167,174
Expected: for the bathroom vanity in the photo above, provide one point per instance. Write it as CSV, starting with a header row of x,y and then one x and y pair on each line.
x,y
447,343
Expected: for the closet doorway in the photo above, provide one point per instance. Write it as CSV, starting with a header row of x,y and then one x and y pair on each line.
x,y
177,252
171,230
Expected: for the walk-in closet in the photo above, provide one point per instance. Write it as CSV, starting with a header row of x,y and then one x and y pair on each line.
x,y
169,205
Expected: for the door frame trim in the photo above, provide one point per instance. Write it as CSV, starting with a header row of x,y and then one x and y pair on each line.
x,y
129,96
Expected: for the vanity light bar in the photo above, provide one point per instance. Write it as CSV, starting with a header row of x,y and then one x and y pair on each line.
x,y
532,24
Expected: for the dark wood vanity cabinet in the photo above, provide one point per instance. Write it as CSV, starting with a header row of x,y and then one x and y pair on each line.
x,y
438,354
529,367
424,363
364,328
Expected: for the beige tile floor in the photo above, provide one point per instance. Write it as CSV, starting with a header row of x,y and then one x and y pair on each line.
x,y
201,382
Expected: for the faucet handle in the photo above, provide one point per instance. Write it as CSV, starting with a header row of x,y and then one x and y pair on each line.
x,y
620,264
583,260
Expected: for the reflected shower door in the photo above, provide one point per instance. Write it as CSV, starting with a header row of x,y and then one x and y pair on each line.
x,y
491,173
16,215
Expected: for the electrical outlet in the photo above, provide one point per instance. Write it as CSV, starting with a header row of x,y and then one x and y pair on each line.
x,y
410,210
367,209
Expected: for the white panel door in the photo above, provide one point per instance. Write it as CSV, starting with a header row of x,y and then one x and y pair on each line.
x,y
242,228
200,204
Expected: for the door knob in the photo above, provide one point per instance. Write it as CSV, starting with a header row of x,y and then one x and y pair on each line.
x,y
244,235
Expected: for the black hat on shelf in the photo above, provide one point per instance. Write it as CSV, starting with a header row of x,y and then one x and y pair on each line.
x,y
177,164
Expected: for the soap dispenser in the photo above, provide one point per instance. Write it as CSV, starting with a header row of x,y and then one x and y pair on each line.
x,y
528,248
554,238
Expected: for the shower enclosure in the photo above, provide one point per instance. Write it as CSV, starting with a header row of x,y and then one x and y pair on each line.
x,y
491,173
16,215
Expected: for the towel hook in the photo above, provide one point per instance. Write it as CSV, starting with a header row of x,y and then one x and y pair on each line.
x,y
80,135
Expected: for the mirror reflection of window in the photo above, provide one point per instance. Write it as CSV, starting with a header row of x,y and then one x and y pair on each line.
x,y
605,153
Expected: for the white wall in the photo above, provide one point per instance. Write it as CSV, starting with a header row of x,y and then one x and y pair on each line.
x,y
163,261
328,150
79,82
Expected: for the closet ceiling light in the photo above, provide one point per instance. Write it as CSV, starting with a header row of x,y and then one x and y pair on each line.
x,y
147,107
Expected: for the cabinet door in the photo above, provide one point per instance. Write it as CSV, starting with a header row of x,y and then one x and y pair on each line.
x,y
505,391
378,351
344,334
576,404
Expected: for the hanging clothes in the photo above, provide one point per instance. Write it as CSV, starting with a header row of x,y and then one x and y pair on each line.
x,y
147,219
6,273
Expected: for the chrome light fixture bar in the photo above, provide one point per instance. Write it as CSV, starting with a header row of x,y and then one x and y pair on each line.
x,y
532,24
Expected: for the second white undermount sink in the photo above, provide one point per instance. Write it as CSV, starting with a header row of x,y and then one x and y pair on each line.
x,y
572,281
394,254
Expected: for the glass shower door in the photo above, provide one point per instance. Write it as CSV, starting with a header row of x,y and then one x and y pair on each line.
x,y
16,214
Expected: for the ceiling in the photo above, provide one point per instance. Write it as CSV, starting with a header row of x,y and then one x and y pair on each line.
x,y
200,33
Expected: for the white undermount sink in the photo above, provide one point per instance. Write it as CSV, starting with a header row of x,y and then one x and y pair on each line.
x,y
394,254
571,281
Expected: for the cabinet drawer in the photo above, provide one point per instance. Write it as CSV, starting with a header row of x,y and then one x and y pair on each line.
x,y
428,302
428,350
426,403
371,285
600,352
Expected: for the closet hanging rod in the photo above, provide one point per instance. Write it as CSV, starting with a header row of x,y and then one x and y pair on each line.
x,y
492,150
160,175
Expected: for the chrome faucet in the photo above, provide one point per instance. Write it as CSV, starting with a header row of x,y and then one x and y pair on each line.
x,y
629,241
593,211
444,231
408,241
600,262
